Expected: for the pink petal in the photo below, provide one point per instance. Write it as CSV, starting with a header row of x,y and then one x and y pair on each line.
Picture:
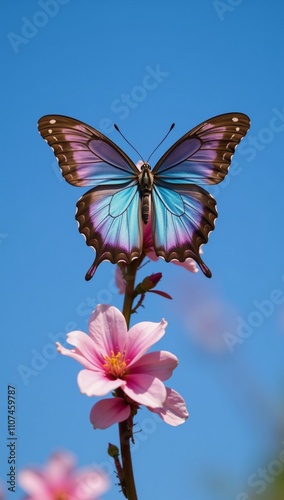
x,y
145,390
188,264
33,482
108,412
159,364
148,247
152,255
142,336
86,347
173,411
90,483
59,467
107,328
119,280
75,354
96,383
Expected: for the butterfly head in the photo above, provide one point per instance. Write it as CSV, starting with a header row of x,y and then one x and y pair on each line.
x,y
145,166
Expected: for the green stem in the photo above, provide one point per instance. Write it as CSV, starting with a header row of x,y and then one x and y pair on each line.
x,y
124,434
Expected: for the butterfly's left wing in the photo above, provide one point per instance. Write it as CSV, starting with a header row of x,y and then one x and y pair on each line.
x,y
183,213
110,219
86,157
109,214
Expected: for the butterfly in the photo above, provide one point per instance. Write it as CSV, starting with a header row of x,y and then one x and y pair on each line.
x,y
124,198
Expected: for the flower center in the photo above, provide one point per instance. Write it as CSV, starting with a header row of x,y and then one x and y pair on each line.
x,y
115,364
60,495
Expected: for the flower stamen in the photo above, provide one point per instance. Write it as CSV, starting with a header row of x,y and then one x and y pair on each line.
x,y
115,364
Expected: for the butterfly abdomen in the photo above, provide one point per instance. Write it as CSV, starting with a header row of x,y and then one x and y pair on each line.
x,y
146,180
145,208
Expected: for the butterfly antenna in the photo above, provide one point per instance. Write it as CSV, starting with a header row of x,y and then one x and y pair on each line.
x,y
116,128
170,129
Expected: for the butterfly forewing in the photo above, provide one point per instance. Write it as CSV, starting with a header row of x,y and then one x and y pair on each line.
x,y
86,157
204,154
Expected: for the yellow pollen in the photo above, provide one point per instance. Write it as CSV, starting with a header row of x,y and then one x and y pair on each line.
x,y
115,364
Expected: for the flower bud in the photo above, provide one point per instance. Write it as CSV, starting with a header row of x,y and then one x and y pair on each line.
x,y
148,283
113,450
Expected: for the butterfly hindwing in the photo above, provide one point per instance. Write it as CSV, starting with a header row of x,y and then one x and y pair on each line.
x,y
86,157
110,220
183,216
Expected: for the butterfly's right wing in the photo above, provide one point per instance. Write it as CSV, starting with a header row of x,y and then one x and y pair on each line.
x,y
184,213
110,219
85,156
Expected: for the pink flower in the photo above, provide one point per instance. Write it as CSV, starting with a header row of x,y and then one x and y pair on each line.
x,y
58,480
115,359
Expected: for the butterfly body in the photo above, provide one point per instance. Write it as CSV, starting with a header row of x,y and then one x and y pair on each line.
x,y
124,198
146,180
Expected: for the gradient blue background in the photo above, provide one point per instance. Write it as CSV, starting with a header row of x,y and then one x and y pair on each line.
x,y
215,57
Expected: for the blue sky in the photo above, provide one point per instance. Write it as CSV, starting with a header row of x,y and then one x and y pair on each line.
x,y
144,65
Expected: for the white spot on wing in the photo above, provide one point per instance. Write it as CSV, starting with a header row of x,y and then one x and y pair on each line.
x,y
52,122
50,130
238,129
235,119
